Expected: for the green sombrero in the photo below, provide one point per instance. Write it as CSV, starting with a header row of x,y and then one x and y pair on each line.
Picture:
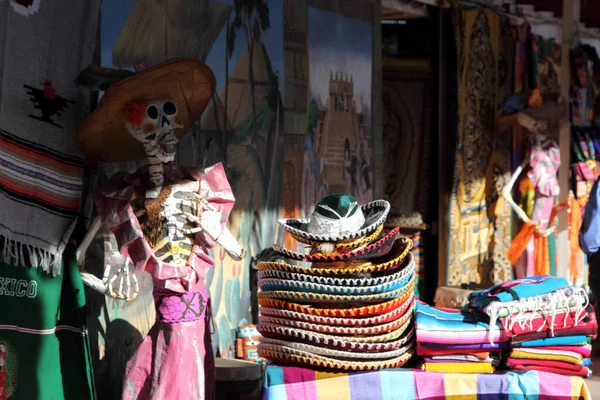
x,y
338,218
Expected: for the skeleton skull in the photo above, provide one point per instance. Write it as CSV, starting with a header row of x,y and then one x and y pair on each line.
x,y
153,124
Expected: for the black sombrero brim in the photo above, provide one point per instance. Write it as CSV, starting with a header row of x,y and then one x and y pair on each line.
x,y
375,214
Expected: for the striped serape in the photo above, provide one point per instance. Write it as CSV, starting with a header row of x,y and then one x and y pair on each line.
x,y
292,383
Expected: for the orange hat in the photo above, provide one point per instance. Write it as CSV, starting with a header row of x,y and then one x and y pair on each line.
x,y
188,83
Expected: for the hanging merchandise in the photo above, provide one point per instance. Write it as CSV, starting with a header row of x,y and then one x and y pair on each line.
x,y
582,90
44,346
165,218
584,168
533,250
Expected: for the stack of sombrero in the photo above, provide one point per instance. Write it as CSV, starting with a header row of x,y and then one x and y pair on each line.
x,y
348,303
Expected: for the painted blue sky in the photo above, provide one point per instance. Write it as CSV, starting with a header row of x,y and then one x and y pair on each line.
x,y
338,43
115,13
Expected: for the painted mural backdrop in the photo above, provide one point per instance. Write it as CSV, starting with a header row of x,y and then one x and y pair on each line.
x,y
273,111
338,146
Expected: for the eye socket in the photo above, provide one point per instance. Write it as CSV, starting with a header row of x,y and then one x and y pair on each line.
x,y
169,108
152,112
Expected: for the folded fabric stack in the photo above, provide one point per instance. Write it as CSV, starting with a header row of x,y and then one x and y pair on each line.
x,y
347,304
550,324
452,340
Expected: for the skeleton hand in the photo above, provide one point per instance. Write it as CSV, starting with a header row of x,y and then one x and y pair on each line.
x,y
122,277
209,222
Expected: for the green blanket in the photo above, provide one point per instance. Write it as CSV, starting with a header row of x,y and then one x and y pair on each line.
x,y
44,347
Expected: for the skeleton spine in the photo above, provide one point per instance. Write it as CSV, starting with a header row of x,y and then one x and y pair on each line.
x,y
155,166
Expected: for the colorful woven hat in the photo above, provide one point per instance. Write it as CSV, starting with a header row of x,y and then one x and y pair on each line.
x,y
341,330
274,344
335,281
397,281
298,357
312,298
362,311
404,306
337,218
386,342
392,260
379,248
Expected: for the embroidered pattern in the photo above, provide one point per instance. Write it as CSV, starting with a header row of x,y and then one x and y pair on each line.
x,y
9,370
48,102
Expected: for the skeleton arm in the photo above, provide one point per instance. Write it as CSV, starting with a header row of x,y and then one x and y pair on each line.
x,y
123,272
209,222
506,193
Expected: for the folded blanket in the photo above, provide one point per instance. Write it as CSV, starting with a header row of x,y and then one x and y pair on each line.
x,y
453,354
461,368
583,328
458,357
537,321
585,350
583,371
462,347
516,290
511,362
555,341
425,351
454,327
562,299
570,299
543,354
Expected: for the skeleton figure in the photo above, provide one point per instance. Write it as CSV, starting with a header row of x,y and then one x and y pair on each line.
x,y
165,219
153,124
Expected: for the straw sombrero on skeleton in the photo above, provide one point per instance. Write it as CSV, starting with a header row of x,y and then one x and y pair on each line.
x,y
174,93
338,222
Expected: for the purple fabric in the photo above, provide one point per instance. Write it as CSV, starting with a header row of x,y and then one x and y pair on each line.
x,y
447,360
174,307
483,346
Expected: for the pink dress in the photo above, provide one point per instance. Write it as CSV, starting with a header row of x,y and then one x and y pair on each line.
x,y
175,360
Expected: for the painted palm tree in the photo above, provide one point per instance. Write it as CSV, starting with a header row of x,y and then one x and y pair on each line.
x,y
251,17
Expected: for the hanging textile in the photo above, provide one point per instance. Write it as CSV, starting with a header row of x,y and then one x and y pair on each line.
x,y
407,116
44,348
42,50
479,219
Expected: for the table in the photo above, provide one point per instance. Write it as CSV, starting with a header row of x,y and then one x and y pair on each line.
x,y
293,383
237,379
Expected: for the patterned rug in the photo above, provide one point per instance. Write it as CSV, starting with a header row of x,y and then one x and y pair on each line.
x,y
479,220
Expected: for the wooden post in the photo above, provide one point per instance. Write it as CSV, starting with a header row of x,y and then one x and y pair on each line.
x,y
564,141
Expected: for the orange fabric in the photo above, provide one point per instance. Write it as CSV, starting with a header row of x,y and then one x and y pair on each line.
x,y
535,99
519,242
522,238
541,258
575,259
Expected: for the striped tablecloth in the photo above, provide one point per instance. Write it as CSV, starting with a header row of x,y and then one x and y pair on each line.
x,y
291,383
